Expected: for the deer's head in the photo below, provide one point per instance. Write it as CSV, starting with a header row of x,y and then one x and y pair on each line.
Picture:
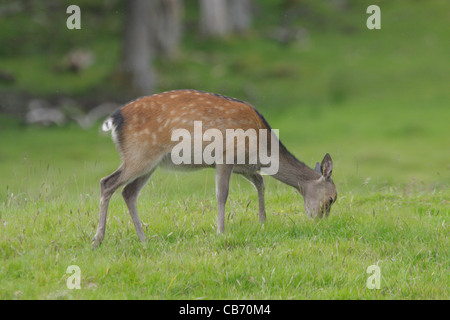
x,y
320,194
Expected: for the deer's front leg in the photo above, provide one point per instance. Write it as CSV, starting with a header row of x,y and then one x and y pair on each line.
x,y
258,181
223,174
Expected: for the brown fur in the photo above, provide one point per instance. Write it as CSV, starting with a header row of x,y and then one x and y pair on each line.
x,y
143,130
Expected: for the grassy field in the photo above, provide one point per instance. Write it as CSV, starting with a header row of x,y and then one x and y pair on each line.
x,y
50,205
377,101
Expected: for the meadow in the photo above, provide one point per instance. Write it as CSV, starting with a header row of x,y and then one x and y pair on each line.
x,y
377,101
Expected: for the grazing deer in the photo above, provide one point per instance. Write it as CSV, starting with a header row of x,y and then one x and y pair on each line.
x,y
142,131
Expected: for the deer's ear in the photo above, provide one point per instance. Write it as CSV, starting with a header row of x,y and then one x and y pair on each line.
x,y
326,168
317,168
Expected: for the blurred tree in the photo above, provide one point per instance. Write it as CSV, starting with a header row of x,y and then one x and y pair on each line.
x,y
135,68
240,15
213,17
221,17
150,28
166,27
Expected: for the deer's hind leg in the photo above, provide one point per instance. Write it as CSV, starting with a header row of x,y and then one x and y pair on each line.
x,y
130,194
108,185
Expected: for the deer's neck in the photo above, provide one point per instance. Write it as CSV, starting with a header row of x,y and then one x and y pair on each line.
x,y
294,172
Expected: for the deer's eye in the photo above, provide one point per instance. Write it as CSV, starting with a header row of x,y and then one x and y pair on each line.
x,y
331,200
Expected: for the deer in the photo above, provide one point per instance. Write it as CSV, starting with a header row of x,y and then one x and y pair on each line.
x,y
142,132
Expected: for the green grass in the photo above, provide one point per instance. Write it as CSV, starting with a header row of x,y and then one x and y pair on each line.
x,y
49,214
290,257
377,101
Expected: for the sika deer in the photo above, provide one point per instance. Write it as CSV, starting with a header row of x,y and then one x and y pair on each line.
x,y
143,131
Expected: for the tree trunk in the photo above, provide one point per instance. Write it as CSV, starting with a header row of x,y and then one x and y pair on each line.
x,y
221,17
213,18
240,15
165,19
136,71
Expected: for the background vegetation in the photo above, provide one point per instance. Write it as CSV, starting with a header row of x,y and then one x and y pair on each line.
x,y
376,100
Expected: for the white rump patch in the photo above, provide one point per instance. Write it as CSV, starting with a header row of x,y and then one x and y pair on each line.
x,y
107,125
